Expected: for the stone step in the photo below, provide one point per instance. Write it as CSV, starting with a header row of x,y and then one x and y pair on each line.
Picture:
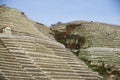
x,y
15,73
8,62
40,40
73,78
19,78
50,61
52,65
64,77
36,54
48,58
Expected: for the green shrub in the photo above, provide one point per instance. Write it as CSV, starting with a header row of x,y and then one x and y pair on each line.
x,y
76,53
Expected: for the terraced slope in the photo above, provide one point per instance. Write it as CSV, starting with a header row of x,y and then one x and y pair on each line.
x,y
98,44
27,53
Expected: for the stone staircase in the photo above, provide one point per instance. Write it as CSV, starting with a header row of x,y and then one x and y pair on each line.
x,y
25,60
10,67
29,58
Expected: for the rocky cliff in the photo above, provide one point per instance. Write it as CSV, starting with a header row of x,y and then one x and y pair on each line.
x,y
28,51
97,44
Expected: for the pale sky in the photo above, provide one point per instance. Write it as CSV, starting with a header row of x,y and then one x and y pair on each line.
x,y
51,11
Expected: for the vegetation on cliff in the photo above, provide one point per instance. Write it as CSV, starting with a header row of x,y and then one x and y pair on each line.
x,y
72,41
81,36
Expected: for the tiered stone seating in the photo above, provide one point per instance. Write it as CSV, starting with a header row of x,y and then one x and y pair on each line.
x,y
45,60
10,67
71,60
27,63
108,55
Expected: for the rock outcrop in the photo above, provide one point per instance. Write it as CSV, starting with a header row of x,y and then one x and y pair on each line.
x,y
97,44
28,52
